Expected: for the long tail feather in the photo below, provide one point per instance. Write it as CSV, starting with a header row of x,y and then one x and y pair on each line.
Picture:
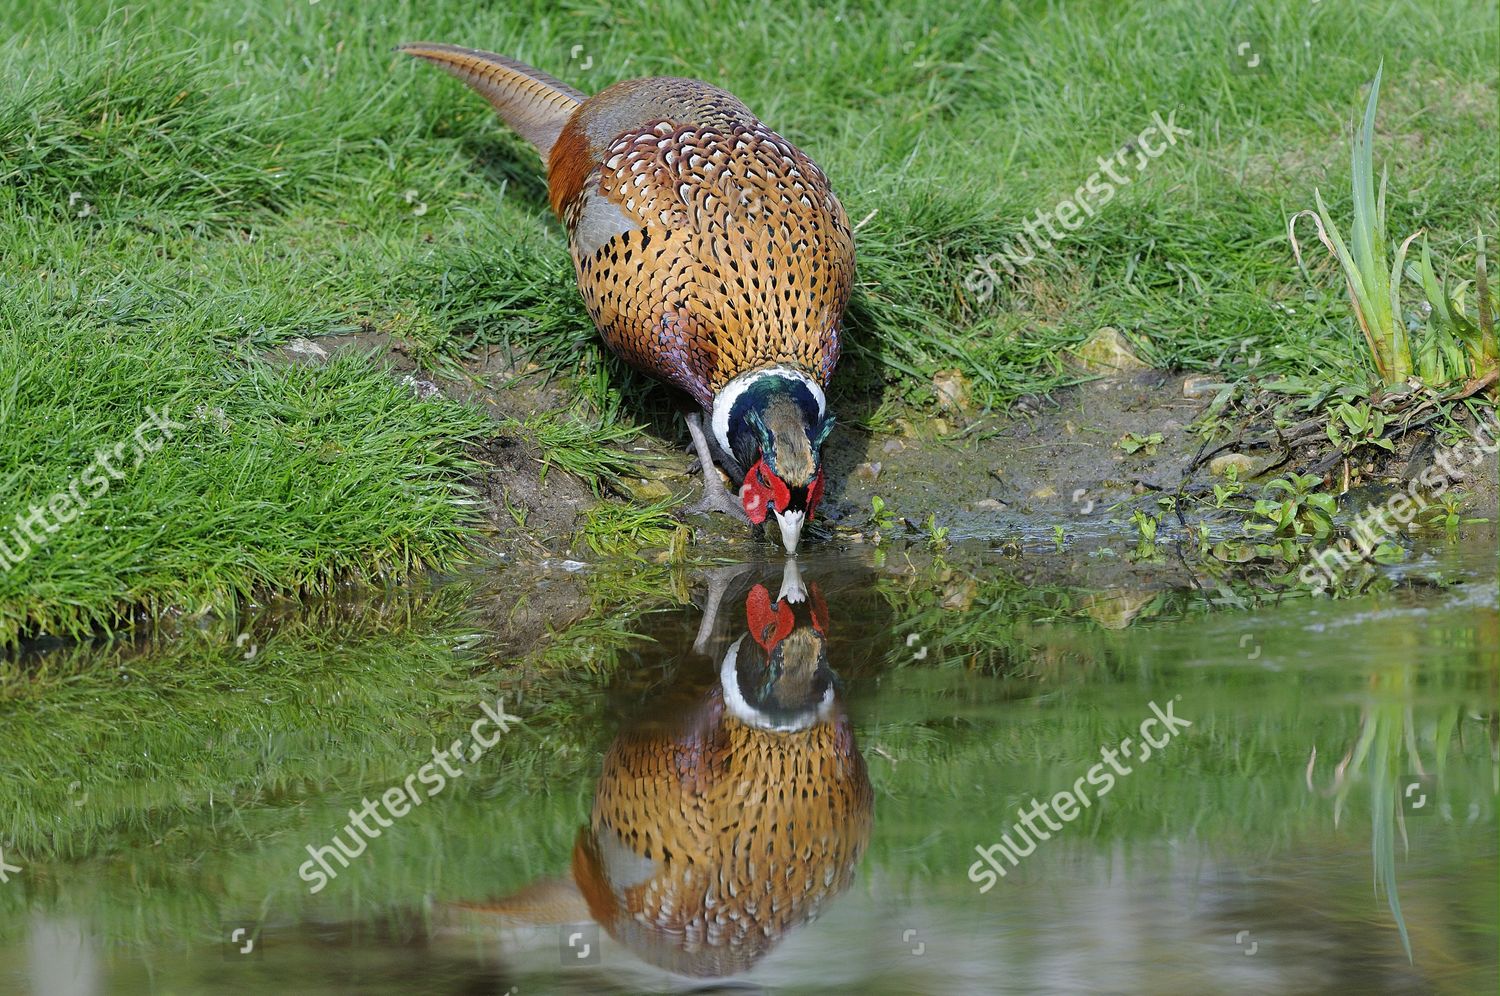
x,y
547,901
533,103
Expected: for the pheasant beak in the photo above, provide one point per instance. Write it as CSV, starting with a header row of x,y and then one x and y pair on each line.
x,y
791,528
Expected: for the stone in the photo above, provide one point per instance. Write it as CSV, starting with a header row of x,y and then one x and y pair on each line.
x,y
1202,386
420,386
960,597
1117,609
1245,466
671,466
306,348
644,490
952,390
869,473
1107,351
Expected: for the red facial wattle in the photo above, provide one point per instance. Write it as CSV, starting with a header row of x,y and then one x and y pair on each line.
x,y
769,624
814,494
763,493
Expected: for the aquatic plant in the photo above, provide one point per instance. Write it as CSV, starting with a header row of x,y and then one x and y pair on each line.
x,y
1447,512
1134,442
1303,511
1454,346
1385,728
1146,526
881,514
937,536
1358,425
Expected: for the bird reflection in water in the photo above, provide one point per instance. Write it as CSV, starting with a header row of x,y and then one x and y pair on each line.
x,y
718,829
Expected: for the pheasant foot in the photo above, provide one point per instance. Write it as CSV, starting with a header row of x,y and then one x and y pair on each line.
x,y
716,497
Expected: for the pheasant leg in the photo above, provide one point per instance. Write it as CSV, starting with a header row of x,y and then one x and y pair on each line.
x,y
718,581
716,497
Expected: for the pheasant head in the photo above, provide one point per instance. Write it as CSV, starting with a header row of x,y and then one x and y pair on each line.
x,y
779,679
774,421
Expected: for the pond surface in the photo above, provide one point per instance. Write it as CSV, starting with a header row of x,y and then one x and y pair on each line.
x,y
879,772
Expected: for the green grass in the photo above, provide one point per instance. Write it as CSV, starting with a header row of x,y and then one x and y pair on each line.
x,y
279,478
184,186
204,713
621,529
583,449
241,726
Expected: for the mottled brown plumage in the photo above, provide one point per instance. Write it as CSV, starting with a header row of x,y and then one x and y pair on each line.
x,y
736,836
706,246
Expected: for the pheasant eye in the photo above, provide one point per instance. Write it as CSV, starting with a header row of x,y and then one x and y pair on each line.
x,y
781,495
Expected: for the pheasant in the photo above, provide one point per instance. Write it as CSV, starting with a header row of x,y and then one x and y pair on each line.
x,y
711,254
719,828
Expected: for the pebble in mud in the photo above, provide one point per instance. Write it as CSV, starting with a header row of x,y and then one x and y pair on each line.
x,y
952,390
1202,386
420,386
1108,351
1244,465
305,349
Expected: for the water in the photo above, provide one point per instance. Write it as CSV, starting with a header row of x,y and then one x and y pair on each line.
x,y
755,778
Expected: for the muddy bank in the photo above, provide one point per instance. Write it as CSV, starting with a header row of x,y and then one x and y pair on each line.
x,y
1080,461
1090,455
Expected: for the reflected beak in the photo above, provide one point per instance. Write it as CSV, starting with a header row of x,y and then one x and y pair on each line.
x,y
793,590
791,528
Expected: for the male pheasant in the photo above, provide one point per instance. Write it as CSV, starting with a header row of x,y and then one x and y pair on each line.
x,y
711,254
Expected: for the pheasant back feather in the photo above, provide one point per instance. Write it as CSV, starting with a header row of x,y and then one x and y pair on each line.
x,y
705,250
